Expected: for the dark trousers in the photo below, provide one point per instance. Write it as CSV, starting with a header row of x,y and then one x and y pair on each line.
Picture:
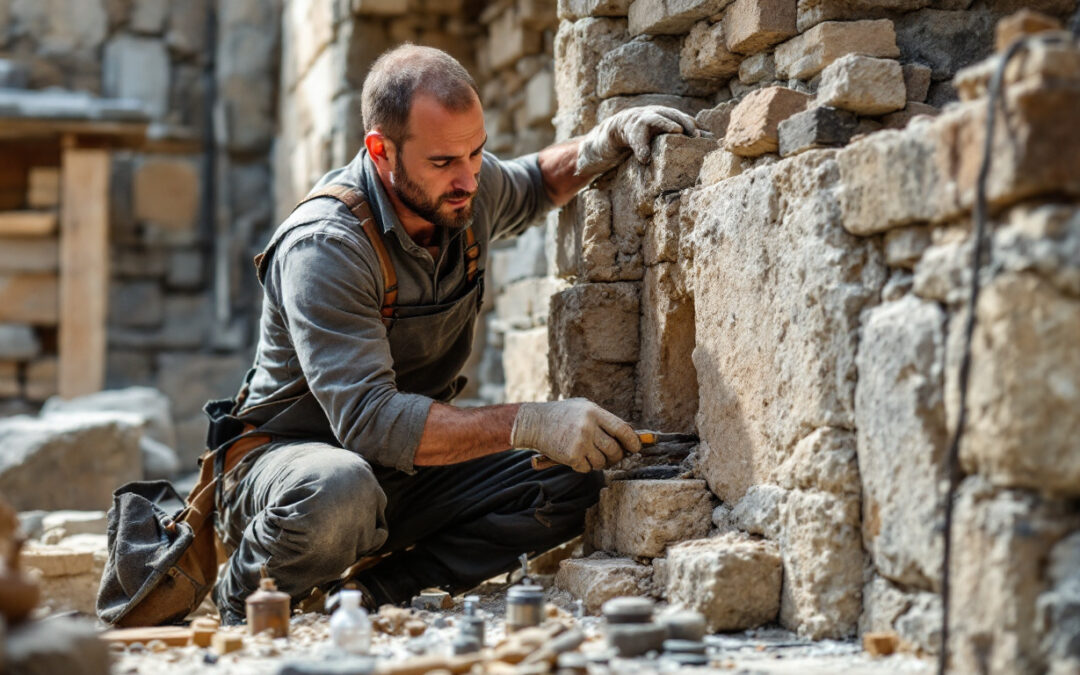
x,y
308,511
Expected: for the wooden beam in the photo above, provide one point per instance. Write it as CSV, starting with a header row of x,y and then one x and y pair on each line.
x,y
84,269
27,223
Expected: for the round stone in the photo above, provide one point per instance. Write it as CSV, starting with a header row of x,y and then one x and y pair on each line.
x,y
684,647
635,639
685,625
628,610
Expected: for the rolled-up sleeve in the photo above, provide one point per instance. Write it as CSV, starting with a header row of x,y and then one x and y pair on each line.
x,y
328,293
516,188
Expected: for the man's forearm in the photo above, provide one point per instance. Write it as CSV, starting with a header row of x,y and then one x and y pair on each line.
x,y
453,435
558,166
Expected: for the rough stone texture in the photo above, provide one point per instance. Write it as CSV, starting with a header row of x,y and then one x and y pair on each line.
x,y
945,40
1059,606
667,344
689,105
1001,542
609,248
915,617
644,66
757,68
579,46
786,284
754,25
732,579
662,236
91,454
715,120
597,579
754,126
580,9
813,12
825,460
720,165
705,54
900,418
905,245
60,645
818,127
641,518
674,165
805,56
901,118
138,68
55,561
593,338
760,511
525,363
917,81
863,84
670,17
1023,23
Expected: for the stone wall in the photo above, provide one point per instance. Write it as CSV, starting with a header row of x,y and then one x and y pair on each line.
x,y
805,264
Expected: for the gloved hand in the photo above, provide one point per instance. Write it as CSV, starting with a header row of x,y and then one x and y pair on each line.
x,y
632,129
575,432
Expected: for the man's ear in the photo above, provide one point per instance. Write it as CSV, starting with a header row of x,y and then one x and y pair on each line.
x,y
379,147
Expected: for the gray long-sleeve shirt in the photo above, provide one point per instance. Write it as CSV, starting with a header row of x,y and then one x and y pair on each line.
x,y
321,330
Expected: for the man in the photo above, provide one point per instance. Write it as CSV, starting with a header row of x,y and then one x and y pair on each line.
x,y
367,320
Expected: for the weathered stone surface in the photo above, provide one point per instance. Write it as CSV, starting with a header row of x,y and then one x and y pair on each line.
x,y
805,56
30,298
916,81
705,54
715,120
915,617
753,25
863,84
784,364
75,522
670,17
597,579
509,40
1023,23
757,68
644,66
91,454
55,561
597,244
905,245
720,165
733,580
945,40
760,511
525,364
687,104
29,255
662,235
186,32
641,518
1001,542
579,46
813,12
63,25
593,337
900,422
754,126
61,645
825,460
167,196
18,342
580,9
1059,606
667,344
901,118
674,165
818,127
1023,396
138,68
525,303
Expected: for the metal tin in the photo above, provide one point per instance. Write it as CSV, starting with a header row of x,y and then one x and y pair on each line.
x,y
524,607
472,624
268,610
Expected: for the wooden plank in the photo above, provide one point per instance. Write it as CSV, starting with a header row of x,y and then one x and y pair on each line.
x,y
84,270
129,134
43,187
29,298
28,223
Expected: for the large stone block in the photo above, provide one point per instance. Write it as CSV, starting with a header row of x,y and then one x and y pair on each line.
x,y
754,25
778,288
662,236
705,54
1001,542
579,46
167,197
610,247
90,454
526,303
525,365
813,12
138,68
597,579
715,120
754,125
805,56
645,66
148,404
670,17
580,9
641,518
667,344
914,616
863,84
1059,606
687,104
818,127
30,298
946,40
900,422
510,40
674,165
732,579
593,337
825,460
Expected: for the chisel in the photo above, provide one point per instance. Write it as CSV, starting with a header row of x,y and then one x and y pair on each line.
x,y
652,443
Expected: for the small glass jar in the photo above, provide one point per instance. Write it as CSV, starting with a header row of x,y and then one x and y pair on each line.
x,y
350,628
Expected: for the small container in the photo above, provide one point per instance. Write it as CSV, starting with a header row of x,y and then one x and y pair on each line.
x,y
472,624
268,609
524,607
350,628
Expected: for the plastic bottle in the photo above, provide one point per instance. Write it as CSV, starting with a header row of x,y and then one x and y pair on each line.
x,y
349,626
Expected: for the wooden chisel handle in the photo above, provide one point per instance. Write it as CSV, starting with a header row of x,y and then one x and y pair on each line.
x,y
647,438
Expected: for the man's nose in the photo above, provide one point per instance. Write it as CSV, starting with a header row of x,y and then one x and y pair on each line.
x,y
465,179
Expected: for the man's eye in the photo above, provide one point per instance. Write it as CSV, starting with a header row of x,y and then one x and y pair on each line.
x,y
441,165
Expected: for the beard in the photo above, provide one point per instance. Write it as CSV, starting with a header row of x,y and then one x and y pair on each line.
x,y
412,196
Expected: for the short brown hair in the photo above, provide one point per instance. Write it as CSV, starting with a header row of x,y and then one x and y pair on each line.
x,y
401,73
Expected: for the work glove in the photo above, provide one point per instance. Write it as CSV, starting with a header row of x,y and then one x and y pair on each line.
x,y
575,432
629,130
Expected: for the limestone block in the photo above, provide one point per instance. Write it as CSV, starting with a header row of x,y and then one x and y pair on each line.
x,y
641,518
901,118
307,29
662,235
787,286
916,81
29,255
732,579
138,68
670,17
823,564
149,404
687,104
596,579
754,126
1059,605
18,342
813,12
753,25
863,84
720,165
62,25
90,454
1022,428
1001,542
715,120
945,40
525,303
900,422
540,98
761,511
674,165
818,127
579,46
705,54
598,252
42,379
915,617
509,40
825,460
905,245
760,67
805,56
166,195
525,364
56,561
593,337
75,522
644,66
667,343
30,298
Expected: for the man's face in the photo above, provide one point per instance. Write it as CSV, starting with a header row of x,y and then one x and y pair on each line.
x,y
438,166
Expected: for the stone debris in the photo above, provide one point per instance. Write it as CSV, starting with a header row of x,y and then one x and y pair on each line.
x,y
880,644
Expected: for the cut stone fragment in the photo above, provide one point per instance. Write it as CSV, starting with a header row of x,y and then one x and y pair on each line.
x,y
667,345
670,17
754,126
580,9
715,120
54,561
720,165
905,245
917,81
818,127
805,56
813,12
753,25
757,68
643,517
704,54
645,66
675,164
733,580
863,84
596,580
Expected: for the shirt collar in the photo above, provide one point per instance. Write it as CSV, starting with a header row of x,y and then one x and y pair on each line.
x,y
367,177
